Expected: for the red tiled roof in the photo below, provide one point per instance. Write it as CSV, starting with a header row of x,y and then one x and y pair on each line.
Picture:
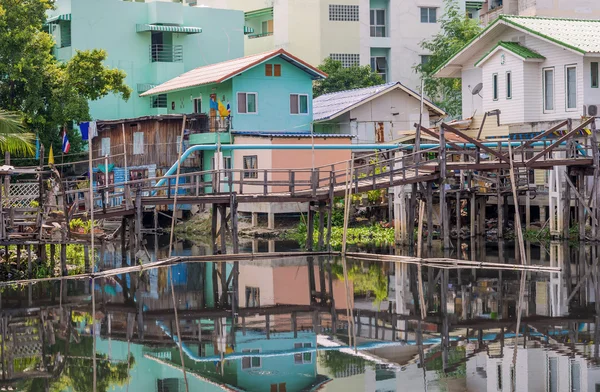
x,y
220,72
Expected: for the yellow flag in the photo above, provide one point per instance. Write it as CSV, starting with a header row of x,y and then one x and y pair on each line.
x,y
223,112
51,156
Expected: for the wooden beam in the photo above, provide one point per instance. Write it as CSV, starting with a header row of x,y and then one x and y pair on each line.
x,y
437,136
559,141
541,136
475,142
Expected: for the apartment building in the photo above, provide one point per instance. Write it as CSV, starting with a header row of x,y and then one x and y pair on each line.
x,y
384,34
578,9
152,41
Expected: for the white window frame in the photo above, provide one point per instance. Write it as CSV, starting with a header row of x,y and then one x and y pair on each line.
x,y
225,168
567,107
495,87
105,146
195,106
135,145
251,351
304,361
544,70
307,105
596,75
374,27
255,102
508,82
428,14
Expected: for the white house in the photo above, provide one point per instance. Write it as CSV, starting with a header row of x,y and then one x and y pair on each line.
x,y
373,114
537,71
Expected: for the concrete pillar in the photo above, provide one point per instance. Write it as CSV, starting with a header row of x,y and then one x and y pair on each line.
x,y
255,219
543,214
271,220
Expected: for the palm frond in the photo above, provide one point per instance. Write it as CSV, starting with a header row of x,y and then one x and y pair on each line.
x,y
13,136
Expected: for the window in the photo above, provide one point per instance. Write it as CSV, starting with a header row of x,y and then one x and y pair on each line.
x,y
105,146
508,85
552,374
197,105
138,143
101,178
571,76
250,166
252,297
379,66
251,362
138,174
347,59
548,79
298,104
425,58
575,371
159,101
301,358
594,74
268,69
281,387
428,15
277,70
495,86
247,103
377,23
65,34
343,13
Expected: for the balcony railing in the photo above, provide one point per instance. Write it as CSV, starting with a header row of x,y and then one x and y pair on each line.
x,y
202,123
252,36
163,53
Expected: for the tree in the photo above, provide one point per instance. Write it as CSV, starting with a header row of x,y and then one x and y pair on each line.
x,y
13,137
340,78
455,32
49,94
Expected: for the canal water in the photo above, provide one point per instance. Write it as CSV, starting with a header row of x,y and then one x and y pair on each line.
x,y
295,324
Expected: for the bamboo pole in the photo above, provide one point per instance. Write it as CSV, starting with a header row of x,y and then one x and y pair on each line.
x,y
347,198
422,303
91,201
176,187
124,151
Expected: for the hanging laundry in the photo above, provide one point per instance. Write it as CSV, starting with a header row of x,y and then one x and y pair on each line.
x,y
223,110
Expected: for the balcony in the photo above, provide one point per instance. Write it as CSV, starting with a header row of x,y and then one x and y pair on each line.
x,y
205,129
163,53
490,16
258,43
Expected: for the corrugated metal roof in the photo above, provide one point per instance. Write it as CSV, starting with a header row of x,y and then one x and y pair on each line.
x,y
290,134
220,72
329,106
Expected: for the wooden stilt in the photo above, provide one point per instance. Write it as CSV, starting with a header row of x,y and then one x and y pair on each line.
x,y
310,226
321,226
566,210
500,204
458,215
429,197
445,219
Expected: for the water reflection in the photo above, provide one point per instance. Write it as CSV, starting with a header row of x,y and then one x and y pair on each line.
x,y
283,325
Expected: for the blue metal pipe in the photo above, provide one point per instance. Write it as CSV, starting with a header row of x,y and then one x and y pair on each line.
x,y
232,147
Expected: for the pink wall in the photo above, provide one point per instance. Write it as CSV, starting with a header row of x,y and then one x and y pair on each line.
x,y
291,287
303,159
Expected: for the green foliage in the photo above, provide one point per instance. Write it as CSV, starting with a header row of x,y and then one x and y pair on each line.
x,y
372,235
13,137
456,30
339,363
48,94
80,225
340,78
371,280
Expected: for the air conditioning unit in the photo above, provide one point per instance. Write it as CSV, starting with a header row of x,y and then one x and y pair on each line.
x,y
591,110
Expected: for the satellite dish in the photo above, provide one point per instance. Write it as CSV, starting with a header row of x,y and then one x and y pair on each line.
x,y
477,89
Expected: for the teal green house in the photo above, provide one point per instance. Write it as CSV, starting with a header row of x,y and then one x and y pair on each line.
x,y
152,42
265,94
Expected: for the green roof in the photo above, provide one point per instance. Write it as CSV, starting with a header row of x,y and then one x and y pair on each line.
x,y
514,47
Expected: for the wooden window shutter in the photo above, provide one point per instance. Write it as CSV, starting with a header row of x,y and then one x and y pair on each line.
x,y
241,102
270,25
268,69
277,69
294,103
